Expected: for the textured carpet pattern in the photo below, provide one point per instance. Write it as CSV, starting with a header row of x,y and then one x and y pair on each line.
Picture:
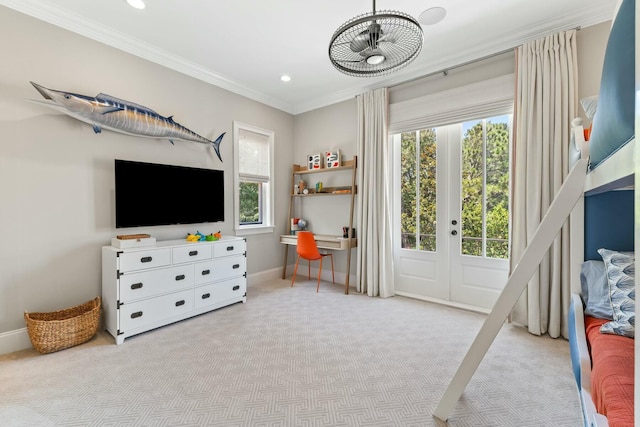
x,y
294,357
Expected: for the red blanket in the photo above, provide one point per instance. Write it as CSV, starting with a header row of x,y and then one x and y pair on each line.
x,y
611,373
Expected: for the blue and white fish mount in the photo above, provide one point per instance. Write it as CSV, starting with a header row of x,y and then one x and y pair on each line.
x,y
118,115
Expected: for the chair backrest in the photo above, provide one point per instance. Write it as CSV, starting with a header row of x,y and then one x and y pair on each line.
x,y
307,247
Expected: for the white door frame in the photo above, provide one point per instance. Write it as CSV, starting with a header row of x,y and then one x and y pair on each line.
x,y
444,276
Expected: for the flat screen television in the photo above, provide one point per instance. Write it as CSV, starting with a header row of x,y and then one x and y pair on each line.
x,y
150,194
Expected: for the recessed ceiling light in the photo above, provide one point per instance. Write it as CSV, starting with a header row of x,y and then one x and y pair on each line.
x,y
432,16
137,4
285,78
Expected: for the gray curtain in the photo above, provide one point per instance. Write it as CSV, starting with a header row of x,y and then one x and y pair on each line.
x,y
374,267
546,102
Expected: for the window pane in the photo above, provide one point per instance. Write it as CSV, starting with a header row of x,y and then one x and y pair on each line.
x,y
472,187
250,206
428,190
497,187
408,167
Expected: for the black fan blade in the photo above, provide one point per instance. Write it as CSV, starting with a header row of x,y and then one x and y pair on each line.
x,y
360,42
346,60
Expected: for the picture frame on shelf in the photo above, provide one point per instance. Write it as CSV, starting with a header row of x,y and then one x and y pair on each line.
x,y
314,161
332,158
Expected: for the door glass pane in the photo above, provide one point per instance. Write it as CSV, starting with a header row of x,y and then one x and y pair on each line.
x,y
472,187
485,187
497,187
408,178
418,190
428,190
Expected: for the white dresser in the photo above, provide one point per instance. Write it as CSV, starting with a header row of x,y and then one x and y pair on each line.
x,y
147,287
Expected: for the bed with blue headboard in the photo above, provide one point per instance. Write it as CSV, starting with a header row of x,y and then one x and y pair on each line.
x,y
602,309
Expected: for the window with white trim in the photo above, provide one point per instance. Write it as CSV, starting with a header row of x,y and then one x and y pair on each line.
x,y
253,179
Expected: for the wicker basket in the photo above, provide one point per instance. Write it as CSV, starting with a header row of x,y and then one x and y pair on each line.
x,y
62,329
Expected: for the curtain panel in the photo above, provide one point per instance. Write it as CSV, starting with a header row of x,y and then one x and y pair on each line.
x,y
374,266
546,102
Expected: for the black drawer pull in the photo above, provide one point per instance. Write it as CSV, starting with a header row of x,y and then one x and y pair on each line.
x,y
146,259
236,287
205,296
136,314
179,303
205,272
180,277
136,286
229,248
193,253
236,266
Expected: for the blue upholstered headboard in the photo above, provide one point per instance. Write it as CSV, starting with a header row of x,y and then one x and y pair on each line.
x,y
613,123
608,222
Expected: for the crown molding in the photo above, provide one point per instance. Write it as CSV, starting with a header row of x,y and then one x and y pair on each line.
x,y
576,19
110,37
39,9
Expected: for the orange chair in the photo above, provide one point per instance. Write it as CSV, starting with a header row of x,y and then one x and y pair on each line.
x,y
308,250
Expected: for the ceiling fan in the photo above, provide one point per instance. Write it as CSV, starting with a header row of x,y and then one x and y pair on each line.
x,y
374,44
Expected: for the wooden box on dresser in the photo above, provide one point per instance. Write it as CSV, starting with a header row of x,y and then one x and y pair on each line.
x,y
147,287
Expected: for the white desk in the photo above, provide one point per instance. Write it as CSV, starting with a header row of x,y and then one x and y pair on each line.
x,y
323,241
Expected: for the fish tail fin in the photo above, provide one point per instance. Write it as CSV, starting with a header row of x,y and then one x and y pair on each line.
x,y
216,145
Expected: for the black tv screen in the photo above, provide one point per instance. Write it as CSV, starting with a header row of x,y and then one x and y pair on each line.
x,y
153,194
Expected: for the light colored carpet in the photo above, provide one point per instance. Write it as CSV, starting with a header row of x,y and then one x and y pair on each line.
x,y
291,357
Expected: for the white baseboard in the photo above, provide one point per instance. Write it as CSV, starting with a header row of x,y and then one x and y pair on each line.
x,y
303,274
263,276
14,341
276,273
19,339
444,302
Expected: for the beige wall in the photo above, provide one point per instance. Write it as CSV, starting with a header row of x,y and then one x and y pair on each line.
x,y
56,175
335,126
485,69
328,128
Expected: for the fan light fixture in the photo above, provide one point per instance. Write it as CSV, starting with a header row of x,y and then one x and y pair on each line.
x,y
136,4
374,44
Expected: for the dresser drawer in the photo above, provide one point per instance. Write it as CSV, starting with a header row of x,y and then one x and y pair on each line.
x,y
220,269
218,292
139,260
144,284
196,252
221,249
146,312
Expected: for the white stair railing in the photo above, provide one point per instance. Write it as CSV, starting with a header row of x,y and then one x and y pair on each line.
x,y
549,227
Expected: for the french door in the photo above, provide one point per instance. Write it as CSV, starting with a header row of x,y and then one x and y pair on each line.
x,y
451,189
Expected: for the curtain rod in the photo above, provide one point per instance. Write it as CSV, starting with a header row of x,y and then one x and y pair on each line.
x,y
445,71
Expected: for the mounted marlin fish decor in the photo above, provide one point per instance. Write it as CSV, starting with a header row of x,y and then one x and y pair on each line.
x,y
111,113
